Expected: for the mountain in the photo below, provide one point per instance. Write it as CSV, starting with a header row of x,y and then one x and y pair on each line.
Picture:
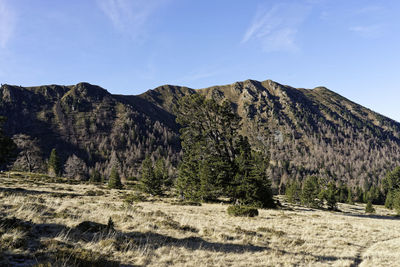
x,y
301,131
101,129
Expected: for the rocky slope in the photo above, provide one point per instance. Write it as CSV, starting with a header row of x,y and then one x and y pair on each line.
x,y
302,131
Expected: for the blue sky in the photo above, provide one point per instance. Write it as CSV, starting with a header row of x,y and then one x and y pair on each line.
x,y
130,46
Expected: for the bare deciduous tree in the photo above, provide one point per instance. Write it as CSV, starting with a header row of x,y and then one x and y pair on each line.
x,y
29,154
75,168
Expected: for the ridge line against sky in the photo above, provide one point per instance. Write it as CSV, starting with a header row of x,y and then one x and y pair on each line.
x,y
129,46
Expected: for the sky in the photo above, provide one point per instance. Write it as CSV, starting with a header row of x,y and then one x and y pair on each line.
x,y
129,46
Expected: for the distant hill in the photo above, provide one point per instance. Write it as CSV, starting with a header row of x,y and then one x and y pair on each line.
x,y
301,131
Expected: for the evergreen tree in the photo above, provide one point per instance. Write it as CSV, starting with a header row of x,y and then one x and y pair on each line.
x,y
256,187
343,193
161,172
389,199
150,182
7,146
359,194
330,196
216,160
95,177
54,165
396,201
115,180
310,193
293,192
349,196
188,177
391,184
369,208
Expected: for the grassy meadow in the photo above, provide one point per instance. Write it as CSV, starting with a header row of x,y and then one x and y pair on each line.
x,y
51,222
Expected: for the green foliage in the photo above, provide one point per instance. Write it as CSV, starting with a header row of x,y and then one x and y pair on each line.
x,y
330,195
396,201
115,180
208,135
369,208
359,194
310,195
349,196
7,146
392,180
343,193
253,186
242,211
54,165
95,177
161,172
216,160
391,185
151,180
390,199
293,192
133,198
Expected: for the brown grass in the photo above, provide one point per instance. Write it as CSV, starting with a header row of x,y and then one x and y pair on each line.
x,y
40,223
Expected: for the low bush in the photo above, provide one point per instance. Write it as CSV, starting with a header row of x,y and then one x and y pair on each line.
x,y
132,198
242,211
369,208
186,203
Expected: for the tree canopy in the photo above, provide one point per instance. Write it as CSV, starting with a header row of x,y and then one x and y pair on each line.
x,y
217,160
7,146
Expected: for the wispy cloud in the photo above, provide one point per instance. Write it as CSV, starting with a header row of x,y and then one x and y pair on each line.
x,y
7,23
371,31
130,16
276,28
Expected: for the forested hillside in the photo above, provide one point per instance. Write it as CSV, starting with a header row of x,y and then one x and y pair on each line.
x,y
301,131
100,129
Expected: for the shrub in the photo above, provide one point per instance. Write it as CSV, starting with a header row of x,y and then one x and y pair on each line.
x,y
186,203
242,211
115,180
132,198
91,227
369,208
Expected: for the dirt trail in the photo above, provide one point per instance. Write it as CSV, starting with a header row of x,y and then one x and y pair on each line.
x,y
371,246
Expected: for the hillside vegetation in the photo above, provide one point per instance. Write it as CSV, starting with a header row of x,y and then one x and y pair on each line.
x,y
301,132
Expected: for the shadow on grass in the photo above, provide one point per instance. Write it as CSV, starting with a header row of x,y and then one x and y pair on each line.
x,y
22,191
373,216
43,248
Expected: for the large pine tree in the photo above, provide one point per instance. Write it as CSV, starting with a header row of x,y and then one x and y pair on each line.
x,y
54,165
217,160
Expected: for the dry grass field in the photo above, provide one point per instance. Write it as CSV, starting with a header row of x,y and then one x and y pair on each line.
x,y
46,222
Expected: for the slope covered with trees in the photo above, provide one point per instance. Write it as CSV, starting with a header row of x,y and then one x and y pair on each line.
x,y
299,132
90,129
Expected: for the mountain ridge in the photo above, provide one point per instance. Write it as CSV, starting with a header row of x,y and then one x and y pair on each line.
x,y
301,131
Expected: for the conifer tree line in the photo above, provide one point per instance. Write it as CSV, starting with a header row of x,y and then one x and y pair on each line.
x,y
315,192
